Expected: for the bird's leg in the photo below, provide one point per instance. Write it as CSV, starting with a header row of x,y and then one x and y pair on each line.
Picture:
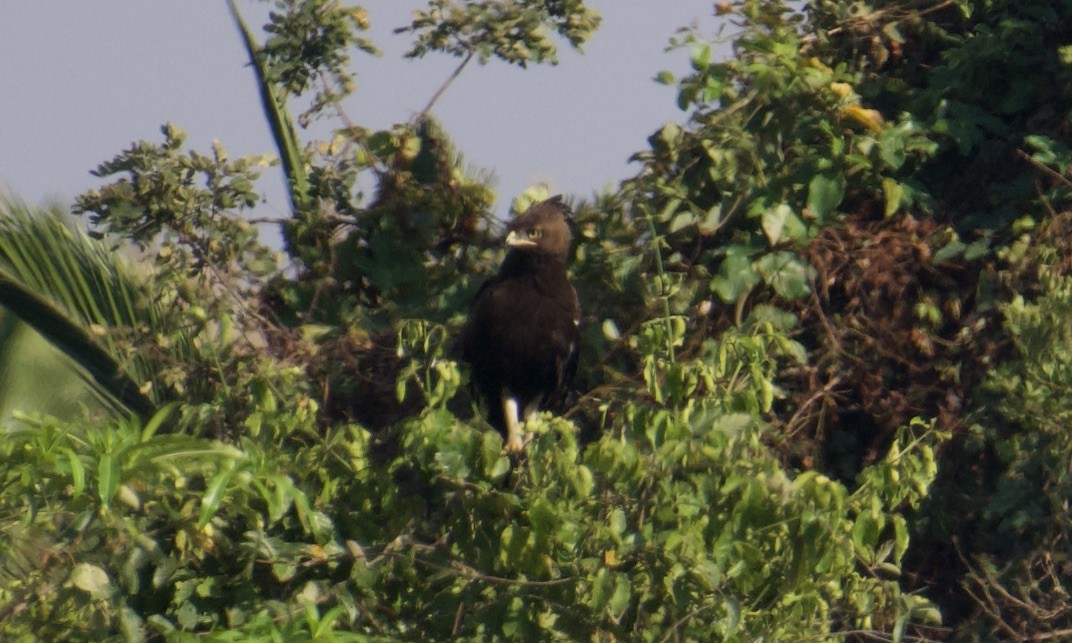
x,y
532,410
514,441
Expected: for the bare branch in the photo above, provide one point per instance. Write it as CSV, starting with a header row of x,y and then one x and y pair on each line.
x,y
443,88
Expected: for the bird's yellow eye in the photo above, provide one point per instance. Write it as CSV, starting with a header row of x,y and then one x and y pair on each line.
x,y
535,233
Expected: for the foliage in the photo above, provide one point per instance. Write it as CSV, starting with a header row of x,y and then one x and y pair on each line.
x,y
1020,573
69,297
513,31
683,522
823,356
22,351
1010,543
309,43
162,201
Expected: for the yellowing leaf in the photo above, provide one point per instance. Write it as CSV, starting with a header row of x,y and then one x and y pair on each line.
x,y
841,90
894,192
815,63
869,119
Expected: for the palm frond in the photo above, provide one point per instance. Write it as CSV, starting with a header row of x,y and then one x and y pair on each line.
x,y
26,360
275,110
63,285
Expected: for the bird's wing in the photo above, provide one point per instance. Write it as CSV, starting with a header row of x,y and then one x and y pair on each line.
x,y
466,338
566,366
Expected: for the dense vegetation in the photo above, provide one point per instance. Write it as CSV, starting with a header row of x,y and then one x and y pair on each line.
x,y
825,387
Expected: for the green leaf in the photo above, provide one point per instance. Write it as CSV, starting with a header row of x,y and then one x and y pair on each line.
x,y
610,330
78,471
891,148
107,478
736,275
500,468
865,534
733,617
900,533
951,250
601,588
210,502
411,146
617,521
92,580
899,628
825,193
583,482
701,56
894,193
682,220
158,418
773,220
976,249
623,592
454,463
131,625
382,143
785,272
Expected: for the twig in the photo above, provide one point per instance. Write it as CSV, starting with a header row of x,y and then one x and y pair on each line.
x,y
340,111
681,621
990,606
827,389
471,573
279,220
875,635
457,628
421,115
664,289
822,314
1045,168
937,7
1052,635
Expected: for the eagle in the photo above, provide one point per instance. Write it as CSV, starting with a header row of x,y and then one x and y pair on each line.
x,y
521,338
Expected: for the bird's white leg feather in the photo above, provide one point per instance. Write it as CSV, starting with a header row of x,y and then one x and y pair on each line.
x,y
531,410
514,441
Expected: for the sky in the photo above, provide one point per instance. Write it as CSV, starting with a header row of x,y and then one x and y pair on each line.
x,y
81,81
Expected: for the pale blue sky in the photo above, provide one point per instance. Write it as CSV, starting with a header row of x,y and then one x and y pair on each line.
x,y
81,81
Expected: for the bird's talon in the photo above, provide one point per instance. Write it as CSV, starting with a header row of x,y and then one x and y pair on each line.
x,y
513,447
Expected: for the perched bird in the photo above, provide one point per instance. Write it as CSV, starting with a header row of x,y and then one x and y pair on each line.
x,y
522,334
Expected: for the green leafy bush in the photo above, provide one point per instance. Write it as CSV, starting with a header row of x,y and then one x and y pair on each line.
x,y
820,359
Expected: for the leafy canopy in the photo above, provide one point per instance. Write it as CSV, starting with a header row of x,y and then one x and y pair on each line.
x,y
849,255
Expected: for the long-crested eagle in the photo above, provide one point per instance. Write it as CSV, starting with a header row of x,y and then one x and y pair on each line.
x,y
523,330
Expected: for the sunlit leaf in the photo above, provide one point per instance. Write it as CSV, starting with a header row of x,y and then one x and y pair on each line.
x,y
787,273
92,580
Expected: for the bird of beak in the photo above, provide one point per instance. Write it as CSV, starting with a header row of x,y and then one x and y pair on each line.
x,y
515,240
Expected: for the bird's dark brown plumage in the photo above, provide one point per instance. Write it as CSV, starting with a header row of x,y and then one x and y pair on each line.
x,y
523,330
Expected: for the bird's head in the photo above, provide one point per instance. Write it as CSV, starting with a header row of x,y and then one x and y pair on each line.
x,y
544,228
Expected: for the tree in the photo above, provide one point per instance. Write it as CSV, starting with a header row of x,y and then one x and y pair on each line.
x,y
795,307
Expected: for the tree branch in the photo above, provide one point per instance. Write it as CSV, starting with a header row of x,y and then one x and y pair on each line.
x,y
443,88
